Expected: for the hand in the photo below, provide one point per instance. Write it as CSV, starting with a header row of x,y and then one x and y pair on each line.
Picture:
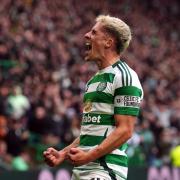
x,y
79,157
53,157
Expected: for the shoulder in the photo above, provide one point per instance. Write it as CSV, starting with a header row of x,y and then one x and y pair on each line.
x,y
125,75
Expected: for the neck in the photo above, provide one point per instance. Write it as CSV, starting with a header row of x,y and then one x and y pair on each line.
x,y
107,60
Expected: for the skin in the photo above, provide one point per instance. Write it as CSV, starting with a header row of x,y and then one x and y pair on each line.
x,y
103,54
103,47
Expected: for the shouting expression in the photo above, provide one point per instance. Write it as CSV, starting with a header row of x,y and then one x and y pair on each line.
x,y
95,43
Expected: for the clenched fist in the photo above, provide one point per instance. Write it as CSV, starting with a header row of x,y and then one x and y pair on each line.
x,y
53,157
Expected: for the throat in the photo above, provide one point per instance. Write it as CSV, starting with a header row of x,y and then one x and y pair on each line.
x,y
103,63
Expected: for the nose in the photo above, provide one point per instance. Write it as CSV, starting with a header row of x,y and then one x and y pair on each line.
x,y
87,35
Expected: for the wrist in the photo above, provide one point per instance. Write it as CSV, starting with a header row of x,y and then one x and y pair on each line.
x,y
65,150
94,154
63,153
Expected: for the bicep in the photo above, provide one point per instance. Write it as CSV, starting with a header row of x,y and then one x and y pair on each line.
x,y
125,121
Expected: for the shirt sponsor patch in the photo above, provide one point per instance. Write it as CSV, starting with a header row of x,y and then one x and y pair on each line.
x,y
127,101
87,106
88,119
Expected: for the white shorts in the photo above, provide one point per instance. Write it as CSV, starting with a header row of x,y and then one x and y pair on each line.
x,y
77,175
83,175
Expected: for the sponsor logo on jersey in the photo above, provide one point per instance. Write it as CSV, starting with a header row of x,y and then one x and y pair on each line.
x,y
127,101
87,106
101,86
89,118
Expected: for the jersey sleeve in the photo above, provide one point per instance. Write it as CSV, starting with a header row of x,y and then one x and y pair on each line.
x,y
127,99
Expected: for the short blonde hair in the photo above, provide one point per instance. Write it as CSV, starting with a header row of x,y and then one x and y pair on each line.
x,y
118,29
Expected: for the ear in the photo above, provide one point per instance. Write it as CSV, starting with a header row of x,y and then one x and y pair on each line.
x,y
109,43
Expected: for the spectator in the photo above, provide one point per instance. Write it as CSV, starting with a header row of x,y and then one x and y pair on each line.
x,y
175,153
21,162
17,103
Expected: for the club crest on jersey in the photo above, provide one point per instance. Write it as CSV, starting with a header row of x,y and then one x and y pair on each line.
x,y
101,86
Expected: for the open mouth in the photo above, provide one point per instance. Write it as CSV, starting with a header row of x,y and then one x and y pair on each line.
x,y
88,46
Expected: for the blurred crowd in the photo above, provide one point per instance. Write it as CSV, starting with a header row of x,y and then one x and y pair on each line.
x,y
43,76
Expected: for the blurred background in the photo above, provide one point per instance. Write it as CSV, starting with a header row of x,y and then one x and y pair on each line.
x,y
43,77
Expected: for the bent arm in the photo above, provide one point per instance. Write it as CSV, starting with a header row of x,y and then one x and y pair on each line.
x,y
74,144
123,131
53,157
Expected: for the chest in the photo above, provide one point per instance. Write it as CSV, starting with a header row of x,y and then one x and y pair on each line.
x,y
99,92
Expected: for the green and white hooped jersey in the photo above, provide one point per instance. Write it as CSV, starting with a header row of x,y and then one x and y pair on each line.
x,y
113,90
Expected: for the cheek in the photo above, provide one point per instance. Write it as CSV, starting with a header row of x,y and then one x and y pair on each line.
x,y
97,46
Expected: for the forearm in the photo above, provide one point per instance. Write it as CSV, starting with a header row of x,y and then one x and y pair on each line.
x,y
118,137
74,144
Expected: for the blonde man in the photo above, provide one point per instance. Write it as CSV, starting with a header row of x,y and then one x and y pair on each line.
x,y
111,104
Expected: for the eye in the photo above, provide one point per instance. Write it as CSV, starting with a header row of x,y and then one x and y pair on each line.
x,y
94,32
